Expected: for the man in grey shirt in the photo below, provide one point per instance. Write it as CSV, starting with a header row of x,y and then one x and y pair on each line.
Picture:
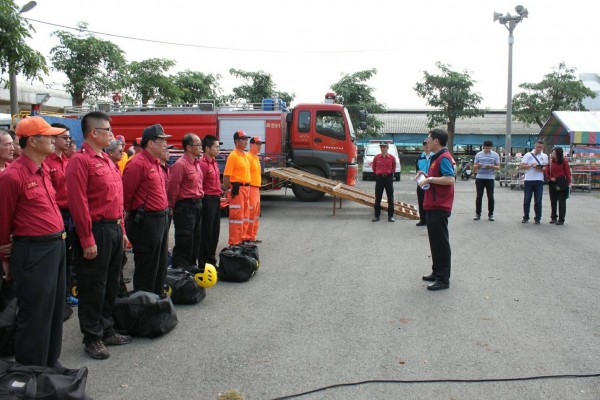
x,y
486,163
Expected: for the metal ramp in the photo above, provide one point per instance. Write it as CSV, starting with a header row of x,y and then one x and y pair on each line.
x,y
342,191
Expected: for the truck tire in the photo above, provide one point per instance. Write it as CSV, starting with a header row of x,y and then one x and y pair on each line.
x,y
307,194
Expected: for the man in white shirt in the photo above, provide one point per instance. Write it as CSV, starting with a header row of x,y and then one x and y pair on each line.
x,y
534,163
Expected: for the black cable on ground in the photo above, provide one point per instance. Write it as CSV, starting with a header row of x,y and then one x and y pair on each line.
x,y
484,380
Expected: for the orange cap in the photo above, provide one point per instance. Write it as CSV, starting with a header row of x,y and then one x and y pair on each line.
x,y
32,126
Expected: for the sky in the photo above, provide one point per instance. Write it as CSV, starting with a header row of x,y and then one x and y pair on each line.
x,y
307,45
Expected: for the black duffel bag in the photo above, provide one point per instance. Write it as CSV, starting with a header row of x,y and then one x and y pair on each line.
x,y
33,382
235,266
144,314
183,288
247,249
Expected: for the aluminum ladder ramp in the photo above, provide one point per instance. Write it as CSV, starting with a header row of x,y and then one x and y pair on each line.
x,y
341,190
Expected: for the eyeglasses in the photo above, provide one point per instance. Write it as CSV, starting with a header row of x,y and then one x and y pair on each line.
x,y
109,129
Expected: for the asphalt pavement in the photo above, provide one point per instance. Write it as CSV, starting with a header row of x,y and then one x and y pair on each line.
x,y
339,300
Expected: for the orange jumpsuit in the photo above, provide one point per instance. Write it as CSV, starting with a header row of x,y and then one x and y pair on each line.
x,y
238,170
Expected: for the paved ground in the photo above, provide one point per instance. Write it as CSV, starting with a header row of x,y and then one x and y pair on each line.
x,y
339,299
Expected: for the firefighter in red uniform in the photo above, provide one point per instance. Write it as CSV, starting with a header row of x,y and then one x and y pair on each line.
x,y
237,177
95,199
384,166
57,165
185,199
211,203
147,212
29,213
254,196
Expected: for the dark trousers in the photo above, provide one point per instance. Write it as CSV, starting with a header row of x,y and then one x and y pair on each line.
x,y
533,189
149,239
384,182
98,281
39,273
439,243
488,186
561,199
70,231
210,230
420,198
187,216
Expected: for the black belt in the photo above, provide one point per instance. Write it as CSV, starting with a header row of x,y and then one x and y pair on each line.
x,y
197,200
212,196
108,222
156,213
242,184
384,175
41,239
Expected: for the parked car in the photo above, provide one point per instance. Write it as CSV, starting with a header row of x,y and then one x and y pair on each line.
x,y
371,150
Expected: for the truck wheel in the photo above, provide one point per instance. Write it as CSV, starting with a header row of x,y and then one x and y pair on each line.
x,y
307,194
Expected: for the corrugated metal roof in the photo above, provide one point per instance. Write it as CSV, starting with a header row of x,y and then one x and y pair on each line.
x,y
415,121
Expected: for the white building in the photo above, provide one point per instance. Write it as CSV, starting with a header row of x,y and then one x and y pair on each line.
x,y
27,94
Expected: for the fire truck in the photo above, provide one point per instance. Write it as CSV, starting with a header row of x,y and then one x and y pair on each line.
x,y
317,138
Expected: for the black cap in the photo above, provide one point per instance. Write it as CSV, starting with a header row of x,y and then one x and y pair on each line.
x,y
154,132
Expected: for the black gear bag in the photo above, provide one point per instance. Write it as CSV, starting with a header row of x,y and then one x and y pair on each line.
x,y
183,288
144,314
235,265
33,382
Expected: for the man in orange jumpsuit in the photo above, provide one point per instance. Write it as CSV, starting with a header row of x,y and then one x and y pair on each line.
x,y
255,182
237,178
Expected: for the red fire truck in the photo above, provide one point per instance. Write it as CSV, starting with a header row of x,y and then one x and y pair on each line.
x,y
318,138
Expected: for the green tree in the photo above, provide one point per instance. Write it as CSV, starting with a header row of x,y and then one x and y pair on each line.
x,y
356,95
93,66
258,86
15,55
147,80
560,90
196,86
451,94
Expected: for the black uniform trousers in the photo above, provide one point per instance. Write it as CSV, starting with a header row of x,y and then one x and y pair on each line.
x,y
98,281
187,217
384,182
559,198
149,239
38,269
420,199
439,243
210,230
70,231
488,185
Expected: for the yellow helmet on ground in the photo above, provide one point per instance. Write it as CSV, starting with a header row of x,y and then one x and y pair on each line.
x,y
208,277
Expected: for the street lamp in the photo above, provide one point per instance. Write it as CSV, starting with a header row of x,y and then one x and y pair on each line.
x,y
510,22
12,75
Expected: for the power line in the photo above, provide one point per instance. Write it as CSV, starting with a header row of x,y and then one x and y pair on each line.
x,y
208,47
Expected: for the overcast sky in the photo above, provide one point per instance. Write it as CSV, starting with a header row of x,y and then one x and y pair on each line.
x,y
307,45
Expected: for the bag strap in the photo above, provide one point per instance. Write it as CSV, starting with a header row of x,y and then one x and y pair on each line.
x,y
536,159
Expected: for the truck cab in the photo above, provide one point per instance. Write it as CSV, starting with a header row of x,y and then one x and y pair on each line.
x,y
322,141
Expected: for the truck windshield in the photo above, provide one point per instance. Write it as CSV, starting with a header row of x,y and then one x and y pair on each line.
x,y
350,127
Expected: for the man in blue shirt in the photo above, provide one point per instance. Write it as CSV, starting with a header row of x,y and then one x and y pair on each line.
x,y
422,165
486,163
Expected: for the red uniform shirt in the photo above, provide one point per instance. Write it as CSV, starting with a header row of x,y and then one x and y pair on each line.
x,y
185,181
144,184
211,181
166,174
384,165
58,166
94,191
28,206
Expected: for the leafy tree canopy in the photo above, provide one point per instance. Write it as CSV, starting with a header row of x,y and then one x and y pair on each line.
x,y
451,94
93,66
560,90
356,95
15,55
258,86
196,86
147,81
